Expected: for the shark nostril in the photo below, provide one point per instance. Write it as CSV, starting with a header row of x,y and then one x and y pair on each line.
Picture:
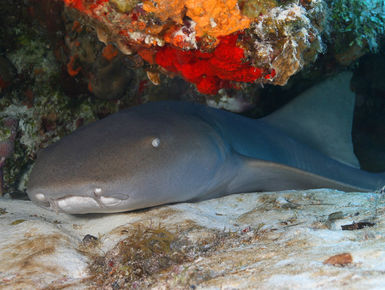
x,y
155,142
97,191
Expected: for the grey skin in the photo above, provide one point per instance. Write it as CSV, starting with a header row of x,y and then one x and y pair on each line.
x,y
168,152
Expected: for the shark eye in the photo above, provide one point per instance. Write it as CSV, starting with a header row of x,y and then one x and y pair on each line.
x,y
155,142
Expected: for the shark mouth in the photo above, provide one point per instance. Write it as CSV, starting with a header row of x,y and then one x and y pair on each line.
x,y
78,204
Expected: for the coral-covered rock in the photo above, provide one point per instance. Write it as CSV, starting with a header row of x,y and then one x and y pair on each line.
x,y
216,17
110,80
214,44
210,71
287,38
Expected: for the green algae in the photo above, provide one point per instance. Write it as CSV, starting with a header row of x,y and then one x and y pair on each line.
x,y
357,23
125,5
148,254
147,250
5,132
255,8
16,222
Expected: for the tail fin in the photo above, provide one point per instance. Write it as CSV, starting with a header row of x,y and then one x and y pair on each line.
x,y
322,118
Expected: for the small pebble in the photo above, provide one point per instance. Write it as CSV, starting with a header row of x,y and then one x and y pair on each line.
x,y
339,260
89,239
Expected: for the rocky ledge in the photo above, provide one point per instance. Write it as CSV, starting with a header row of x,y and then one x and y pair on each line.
x,y
293,239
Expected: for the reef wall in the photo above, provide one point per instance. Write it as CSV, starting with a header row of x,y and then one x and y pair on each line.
x,y
213,44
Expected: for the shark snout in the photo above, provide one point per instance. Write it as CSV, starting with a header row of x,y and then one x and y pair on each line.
x,y
78,204
40,199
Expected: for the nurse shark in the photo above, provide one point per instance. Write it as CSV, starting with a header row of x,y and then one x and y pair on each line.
x,y
168,152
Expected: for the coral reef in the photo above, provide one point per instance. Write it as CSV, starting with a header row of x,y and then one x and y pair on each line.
x,y
287,39
214,44
56,76
357,27
358,23
211,71
35,107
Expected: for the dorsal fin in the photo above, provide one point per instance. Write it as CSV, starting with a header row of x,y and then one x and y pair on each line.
x,y
322,118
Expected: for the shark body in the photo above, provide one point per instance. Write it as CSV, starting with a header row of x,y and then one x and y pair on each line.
x,y
168,152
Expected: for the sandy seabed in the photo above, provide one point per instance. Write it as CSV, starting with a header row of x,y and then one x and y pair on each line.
x,y
279,240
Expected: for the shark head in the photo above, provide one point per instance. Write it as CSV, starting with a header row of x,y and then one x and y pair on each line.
x,y
137,158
